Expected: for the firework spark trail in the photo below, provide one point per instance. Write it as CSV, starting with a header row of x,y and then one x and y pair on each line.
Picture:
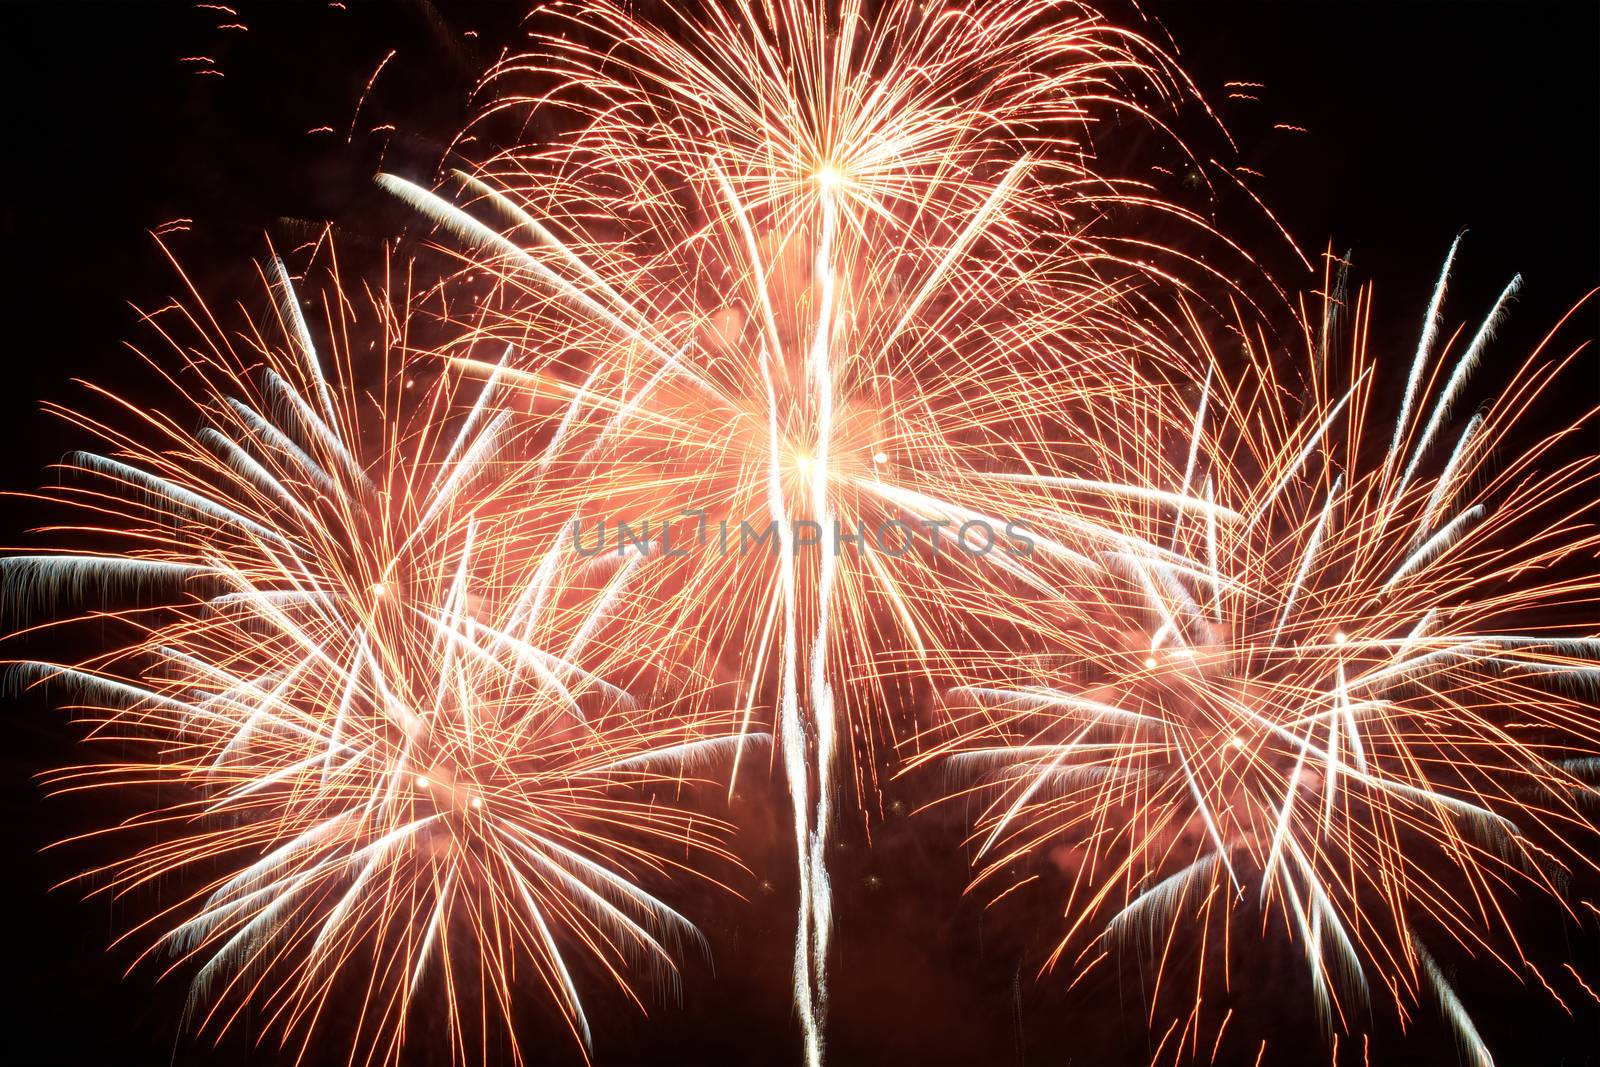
x,y
1357,680
375,702
818,266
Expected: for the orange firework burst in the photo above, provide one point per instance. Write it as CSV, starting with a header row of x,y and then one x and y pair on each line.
x,y
1334,696
830,291
384,710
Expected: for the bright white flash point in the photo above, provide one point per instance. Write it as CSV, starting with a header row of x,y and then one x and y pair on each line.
x,y
422,783
880,457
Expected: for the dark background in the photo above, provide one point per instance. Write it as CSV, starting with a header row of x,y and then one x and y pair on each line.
x,y
1423,118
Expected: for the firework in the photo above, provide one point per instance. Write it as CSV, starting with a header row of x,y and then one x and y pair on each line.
x,y
381,721
811,360
824,289
1338,699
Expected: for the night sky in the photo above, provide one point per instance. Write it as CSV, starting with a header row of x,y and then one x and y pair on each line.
x,y
1422,119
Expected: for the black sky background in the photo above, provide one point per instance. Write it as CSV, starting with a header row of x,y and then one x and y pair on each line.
x,y
1423,118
